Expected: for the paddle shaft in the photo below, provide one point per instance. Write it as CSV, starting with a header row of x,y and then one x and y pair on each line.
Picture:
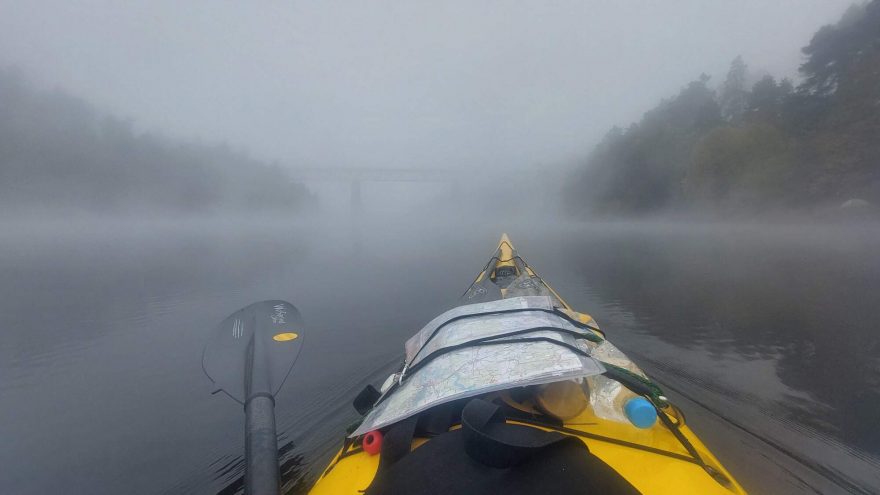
x,y
261,445
261,475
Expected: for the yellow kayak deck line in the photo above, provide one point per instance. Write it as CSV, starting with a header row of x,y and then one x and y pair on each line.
x,y
653,460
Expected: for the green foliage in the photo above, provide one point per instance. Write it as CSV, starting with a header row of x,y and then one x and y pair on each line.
x,y
766,100
752,149
842,153
746,165
638,170
834,49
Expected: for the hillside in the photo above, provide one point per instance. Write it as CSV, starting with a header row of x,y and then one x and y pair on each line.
x,y
59,154
749,148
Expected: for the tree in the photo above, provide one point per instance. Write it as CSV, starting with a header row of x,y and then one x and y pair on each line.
x,y
765,95
745,165
842,80
58,153
786,87
767,98
753,147
640,169
834,49
733,96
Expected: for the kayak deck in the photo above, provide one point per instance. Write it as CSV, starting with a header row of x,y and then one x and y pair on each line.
x,y
664,458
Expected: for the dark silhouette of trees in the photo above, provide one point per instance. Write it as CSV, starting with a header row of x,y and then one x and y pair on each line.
x,y
732,96
58,154
631,170
744,149
765,101
835,49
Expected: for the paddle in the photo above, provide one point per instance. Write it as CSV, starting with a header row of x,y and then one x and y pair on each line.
x,y
248,357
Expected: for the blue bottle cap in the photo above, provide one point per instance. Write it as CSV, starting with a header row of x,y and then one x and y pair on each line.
x,y
640,412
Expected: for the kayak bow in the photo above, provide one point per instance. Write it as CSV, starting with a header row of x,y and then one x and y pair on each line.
x,y
597,413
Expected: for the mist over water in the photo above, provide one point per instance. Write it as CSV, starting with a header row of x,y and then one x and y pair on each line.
x,y
763,334
700,177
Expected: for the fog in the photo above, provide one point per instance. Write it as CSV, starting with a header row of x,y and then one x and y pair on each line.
x,y
701,177
400,84
198,108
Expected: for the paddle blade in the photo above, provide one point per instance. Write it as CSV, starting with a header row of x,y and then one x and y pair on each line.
x,y
253,350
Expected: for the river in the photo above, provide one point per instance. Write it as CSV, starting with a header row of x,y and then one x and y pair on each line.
x,y
766,335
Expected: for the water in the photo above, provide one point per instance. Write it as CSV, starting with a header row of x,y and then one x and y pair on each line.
x,y
765,335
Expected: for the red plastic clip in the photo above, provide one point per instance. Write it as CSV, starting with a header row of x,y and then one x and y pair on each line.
x,y
373,442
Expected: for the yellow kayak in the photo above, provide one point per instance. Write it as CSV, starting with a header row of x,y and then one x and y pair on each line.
x,y
514,391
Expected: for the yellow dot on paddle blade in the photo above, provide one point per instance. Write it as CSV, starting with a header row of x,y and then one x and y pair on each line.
x,y
283,337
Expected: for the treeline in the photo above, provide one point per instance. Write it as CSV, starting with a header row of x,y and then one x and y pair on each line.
x,y
57,153
747,148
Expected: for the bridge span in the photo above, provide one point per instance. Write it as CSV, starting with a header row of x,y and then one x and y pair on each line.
x,y
356,176
375,174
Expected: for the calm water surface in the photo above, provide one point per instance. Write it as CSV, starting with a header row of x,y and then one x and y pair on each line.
x,y
767,337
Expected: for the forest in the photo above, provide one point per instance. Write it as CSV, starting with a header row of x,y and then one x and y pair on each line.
x,y
748,147
59,154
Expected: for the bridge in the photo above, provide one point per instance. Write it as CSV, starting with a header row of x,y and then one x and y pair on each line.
x,y
356,176
374,174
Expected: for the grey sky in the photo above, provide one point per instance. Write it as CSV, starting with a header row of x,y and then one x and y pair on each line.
x,y
405,83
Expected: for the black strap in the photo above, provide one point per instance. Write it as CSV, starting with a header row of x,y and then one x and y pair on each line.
x,y
366,399
397,442
553,311
501,447
504,339
439,419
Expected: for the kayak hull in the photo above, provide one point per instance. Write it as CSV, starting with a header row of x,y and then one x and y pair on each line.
x,y
653,460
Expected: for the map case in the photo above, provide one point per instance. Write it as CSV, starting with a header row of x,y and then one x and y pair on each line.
x,y
467,353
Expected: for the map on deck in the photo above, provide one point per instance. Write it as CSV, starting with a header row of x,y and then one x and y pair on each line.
x,y
480,369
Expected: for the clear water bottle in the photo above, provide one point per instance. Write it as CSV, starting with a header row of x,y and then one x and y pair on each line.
x,y
612,401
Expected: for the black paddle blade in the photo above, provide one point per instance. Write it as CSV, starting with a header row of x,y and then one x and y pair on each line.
x,y
253,350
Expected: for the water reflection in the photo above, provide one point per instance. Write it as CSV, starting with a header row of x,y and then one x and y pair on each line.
x,y
776,324
766,335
